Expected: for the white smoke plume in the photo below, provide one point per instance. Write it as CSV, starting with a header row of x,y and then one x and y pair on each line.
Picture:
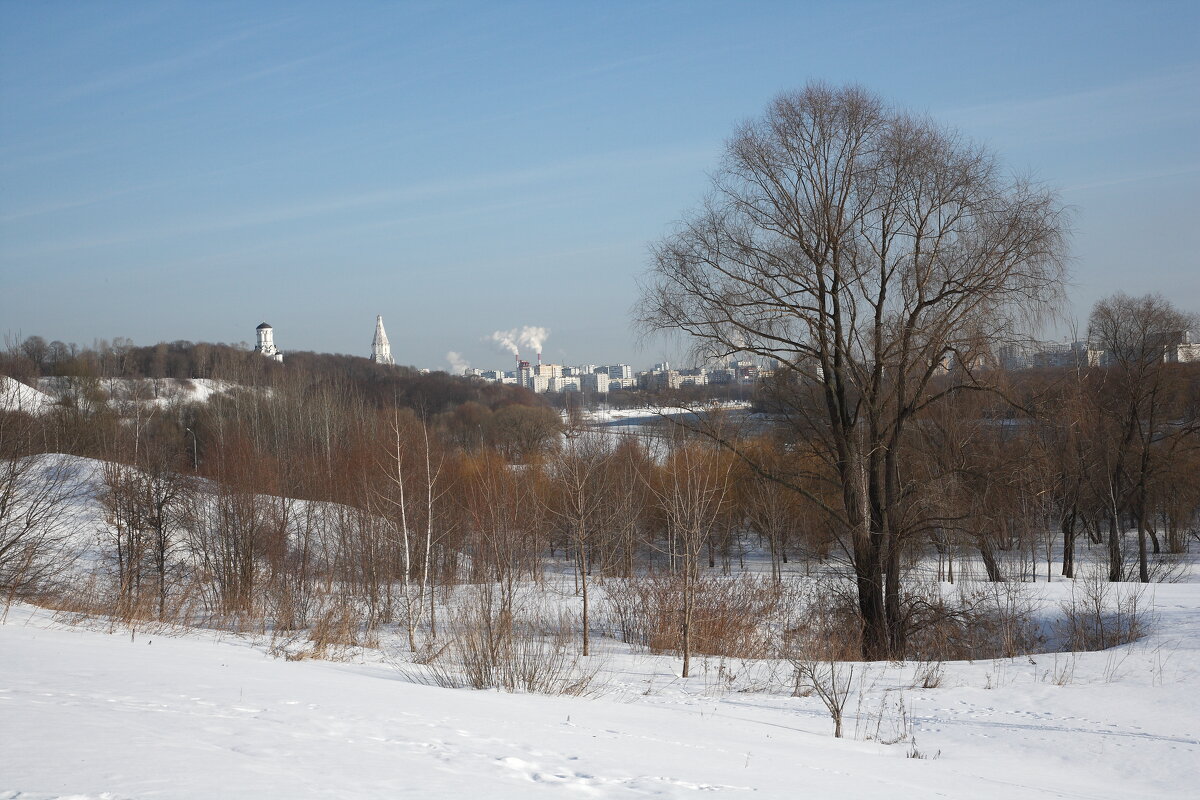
x,y
534,337
458,364
531,336
507,340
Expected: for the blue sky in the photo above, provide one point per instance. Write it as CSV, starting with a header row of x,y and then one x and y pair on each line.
x,y
187,170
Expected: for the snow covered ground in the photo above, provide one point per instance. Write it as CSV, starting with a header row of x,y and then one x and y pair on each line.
x,y
645,414
93,712
645,423
16,396
159,392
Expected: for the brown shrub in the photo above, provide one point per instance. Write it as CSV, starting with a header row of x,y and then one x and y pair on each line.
x,y
731,616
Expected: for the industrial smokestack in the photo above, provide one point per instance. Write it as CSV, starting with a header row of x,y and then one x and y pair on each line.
x,y
539,358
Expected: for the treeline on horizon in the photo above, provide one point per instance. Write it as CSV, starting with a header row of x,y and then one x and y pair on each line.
x,y
434,391
35,358
86,419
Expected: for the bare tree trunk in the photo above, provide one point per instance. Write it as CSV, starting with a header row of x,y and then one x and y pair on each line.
x,y
1116,564
1143,565
994,573
685,628
586,621
1068,531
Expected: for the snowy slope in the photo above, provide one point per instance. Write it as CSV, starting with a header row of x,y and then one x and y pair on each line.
x,y
16,396
159,392
87,713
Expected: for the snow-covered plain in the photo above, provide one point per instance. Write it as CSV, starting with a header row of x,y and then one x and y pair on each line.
x,y
93,711
90,709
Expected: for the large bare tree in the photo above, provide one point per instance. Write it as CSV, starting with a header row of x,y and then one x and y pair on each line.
x,y
867,251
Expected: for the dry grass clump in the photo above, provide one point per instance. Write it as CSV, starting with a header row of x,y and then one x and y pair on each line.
x,y
96,595
490,643
1099,614
338,630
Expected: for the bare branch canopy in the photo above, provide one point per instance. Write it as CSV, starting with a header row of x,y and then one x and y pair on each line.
x,y
868,251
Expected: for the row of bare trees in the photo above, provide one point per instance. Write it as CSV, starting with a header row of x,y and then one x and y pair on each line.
x,y
263,505
278,507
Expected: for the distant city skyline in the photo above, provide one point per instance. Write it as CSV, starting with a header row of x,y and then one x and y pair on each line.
x,y
187,171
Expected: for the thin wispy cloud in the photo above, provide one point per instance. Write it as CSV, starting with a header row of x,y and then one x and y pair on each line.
x,y
472,186
1138,177
1159,99
149,71
272,70
70,205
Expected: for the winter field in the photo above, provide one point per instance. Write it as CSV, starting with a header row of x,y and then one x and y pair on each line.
x,y
95,712
92,708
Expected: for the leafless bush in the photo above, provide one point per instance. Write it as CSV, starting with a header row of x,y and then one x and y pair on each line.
x,y
994,619
82,599
820,623
1099,614
36,497
1170,567
1062,671
731,617
819,642
830,680
487,644
97,596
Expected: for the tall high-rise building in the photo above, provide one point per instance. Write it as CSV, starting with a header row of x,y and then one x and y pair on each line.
x,y
381,351
620,372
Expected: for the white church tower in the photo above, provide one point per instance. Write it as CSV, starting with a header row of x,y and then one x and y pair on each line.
x,y
266,342
381,351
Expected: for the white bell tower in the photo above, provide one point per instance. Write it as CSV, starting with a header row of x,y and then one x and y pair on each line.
x,y
266,342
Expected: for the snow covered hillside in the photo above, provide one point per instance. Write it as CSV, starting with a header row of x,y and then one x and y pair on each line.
x,y
146,391
97,712
160,392
16,396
